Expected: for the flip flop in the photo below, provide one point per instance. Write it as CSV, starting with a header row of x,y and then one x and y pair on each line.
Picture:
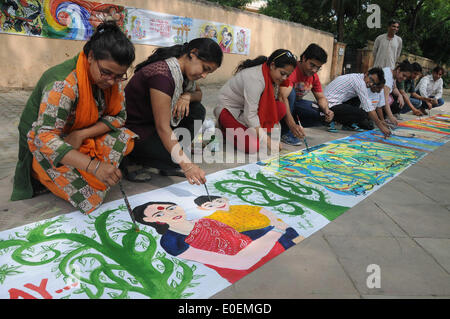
x,y
172,172
141,175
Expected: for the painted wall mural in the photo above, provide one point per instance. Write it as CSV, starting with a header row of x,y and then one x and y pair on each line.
x,y
193,245
77,19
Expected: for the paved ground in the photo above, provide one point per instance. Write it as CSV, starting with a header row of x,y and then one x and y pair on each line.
x,y
404,227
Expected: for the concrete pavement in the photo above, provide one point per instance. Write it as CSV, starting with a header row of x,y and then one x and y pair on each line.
x,y
404,227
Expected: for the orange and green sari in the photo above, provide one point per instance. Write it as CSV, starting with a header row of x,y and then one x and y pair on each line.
x,y
63,101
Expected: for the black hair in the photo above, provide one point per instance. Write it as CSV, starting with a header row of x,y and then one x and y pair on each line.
x,y
280,57
207,50
313,51
199,201
393,21
138,213
379,73
404,66
438,69
416,67
109,43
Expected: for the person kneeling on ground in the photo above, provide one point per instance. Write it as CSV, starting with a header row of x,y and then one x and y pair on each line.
x,y
346,87
248,105
72,137
394,99
157,103
412,102
430,88
304,79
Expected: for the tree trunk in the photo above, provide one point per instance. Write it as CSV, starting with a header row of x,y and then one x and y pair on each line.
x,y
340,21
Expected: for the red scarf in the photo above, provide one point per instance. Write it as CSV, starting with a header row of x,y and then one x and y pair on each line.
x,y
267,111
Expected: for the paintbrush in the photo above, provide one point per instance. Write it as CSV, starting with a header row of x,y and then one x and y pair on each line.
x,y
304,137
125,198
207,192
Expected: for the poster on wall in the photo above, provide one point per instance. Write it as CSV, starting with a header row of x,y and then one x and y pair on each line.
x,y
77,20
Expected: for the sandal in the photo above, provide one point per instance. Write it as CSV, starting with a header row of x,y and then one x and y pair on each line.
x,y
141,175
172,172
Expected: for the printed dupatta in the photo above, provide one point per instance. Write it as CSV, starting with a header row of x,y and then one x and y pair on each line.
x,y
177,76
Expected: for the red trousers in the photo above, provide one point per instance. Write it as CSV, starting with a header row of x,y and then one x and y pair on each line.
x,y
244,139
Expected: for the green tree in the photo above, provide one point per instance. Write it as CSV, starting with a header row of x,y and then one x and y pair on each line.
x,y
424,25
131,270
286,196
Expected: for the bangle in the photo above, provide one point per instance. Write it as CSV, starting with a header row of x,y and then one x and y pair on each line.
x,y
96,167
184,171
87,167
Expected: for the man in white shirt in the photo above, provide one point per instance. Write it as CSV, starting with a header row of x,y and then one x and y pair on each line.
x,y
430,88
346,87
387,47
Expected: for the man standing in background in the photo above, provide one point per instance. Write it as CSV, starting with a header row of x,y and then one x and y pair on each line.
x,y
387,47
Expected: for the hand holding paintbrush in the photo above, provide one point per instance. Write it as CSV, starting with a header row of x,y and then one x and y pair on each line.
x,y
304,136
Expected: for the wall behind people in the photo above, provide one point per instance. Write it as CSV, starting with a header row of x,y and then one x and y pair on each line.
x,y
23,58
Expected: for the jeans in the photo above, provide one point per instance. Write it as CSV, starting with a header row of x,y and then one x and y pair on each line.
x,y
415,102
309,115
151,151
425,106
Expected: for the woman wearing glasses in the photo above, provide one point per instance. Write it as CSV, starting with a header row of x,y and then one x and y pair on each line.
x,y
248,102
159,100
72,137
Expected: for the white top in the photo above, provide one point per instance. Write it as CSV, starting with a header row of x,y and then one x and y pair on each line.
x,y
428,87
386,51
241,94
377,99
389,78
346,87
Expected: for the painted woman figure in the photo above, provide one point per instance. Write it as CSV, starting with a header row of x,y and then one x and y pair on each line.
x,y
210,242
159,99
72,137
248,100
243,218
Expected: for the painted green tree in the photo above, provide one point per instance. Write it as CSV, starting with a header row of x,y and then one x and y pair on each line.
x,y
131,270
285,196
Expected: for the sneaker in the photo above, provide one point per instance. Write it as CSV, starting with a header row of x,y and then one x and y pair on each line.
x,y
332,127
352,127
290,139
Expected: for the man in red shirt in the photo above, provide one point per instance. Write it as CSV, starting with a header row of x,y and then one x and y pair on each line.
x,y
301,81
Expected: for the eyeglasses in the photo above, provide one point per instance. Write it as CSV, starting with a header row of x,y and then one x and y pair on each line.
x,y
288,53
372,82
315,67
110,75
